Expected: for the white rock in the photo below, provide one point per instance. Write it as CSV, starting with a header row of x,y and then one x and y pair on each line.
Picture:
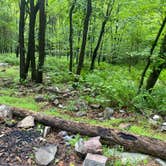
x,y
95,160
27,122
156,117
5,112
46,154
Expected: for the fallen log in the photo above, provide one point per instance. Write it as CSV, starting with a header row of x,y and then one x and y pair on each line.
x,y
130,142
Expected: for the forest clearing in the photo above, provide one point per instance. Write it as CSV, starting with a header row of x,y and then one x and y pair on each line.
x,y
83,83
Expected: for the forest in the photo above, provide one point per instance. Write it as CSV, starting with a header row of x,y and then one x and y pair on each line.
x,y
83,82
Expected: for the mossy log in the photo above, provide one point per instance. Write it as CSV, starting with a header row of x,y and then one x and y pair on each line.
x,y
130,142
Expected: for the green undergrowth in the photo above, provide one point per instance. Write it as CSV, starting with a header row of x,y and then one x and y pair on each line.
x,y
26,102
111,85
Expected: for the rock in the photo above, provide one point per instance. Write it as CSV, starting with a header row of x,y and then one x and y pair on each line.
x,y
4,64
62,133
152,122
100,114
82,106
122,111
53,89
124,126
5,112
81,113
160,162
95,160
95,106
40,98
163,127
52,98
68,138
93,145
56,102
47,130
108,112
61,106
156,117
127,157
46,154
87,90
27,122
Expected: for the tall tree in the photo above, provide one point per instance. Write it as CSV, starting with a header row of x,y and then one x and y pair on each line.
x,y
107,15
84,37
71,34
42,30
151,53
31,40
21,39
154,75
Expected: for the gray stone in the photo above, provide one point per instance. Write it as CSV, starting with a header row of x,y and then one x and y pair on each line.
x,y
100,114
95,160
93,145
5,112
126,157
163,127
26,122
62,133
81,113
56,102
160,162
40,98
47,130
46,154
153,122
67,138
53,89
82,106
95,106
108,112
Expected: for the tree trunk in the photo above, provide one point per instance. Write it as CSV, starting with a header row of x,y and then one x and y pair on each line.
x,y
148,59
21,47
31,42
130,142
71,35
108,13
84,37
157,69
42,30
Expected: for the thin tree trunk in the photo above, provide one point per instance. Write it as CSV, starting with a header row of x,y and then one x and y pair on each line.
x,y
21,47
71,35
84,37
108,13
149,57
42,30
157,70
